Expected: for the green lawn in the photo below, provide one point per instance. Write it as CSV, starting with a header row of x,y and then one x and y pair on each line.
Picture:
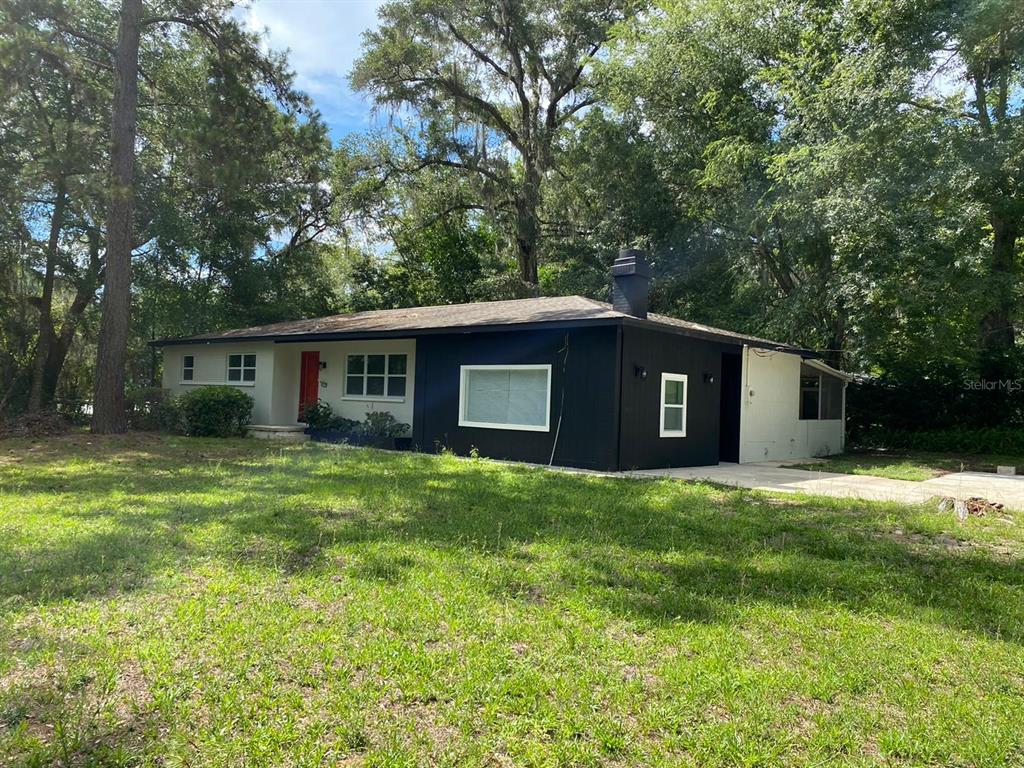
x,y
915,465
173,602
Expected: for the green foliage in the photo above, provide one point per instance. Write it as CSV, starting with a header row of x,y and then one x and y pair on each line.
x,y
151,408
232,159
1005,441
380,425
320,415
444,263
493,89
214,411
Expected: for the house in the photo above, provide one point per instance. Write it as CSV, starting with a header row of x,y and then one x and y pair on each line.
x,y
562,380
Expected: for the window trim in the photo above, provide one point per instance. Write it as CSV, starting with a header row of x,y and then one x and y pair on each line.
x,y
228,367
464,371
662,405
191,368
365,398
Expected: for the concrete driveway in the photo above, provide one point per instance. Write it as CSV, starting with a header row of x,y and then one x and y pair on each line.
x,y
1008,491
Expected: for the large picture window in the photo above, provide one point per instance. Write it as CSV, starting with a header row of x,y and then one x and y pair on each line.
x,y
673,405
505,397
241,369
376,377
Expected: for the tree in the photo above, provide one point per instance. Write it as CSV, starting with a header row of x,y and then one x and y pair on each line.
x,y
54,143
237,53
229,195
495,86
109,413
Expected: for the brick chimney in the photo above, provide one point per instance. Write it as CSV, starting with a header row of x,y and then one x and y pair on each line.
x,y
631,279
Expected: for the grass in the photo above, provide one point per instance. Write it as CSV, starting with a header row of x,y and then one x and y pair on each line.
x,y
913,465
229,603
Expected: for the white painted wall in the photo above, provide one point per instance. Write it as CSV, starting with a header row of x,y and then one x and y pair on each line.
x,y
287,359
770,429
276,389
211,367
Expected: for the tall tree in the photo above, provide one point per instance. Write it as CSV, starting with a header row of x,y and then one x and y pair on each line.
x,y
109,413
494,86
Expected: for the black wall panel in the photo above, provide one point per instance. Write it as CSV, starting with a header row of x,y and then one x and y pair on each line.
x,y
588,435
640,446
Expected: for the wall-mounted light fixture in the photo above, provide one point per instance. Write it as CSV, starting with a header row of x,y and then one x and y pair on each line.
x,y
323,365
640,372
709,378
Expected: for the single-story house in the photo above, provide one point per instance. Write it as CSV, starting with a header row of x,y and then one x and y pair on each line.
x,y
561,380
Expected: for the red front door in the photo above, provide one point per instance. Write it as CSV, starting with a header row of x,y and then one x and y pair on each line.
x,y
309,381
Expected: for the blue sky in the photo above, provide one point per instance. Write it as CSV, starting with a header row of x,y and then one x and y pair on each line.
x,y
323,37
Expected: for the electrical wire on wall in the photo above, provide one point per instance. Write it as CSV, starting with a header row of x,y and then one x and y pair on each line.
x,y
561,402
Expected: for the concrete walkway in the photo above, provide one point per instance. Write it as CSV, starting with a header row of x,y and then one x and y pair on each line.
x,y
1008,491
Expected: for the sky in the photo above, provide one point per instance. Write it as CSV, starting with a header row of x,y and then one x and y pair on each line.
x,y
323,37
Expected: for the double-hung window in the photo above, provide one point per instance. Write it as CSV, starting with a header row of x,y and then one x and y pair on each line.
x,y
241,369
188,368
376,377
673,405
505,397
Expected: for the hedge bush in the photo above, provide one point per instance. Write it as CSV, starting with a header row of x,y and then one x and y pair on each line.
x,y
998,440
214,411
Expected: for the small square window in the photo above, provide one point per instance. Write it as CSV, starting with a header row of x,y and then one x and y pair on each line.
x,y
356,363
375,364
241,369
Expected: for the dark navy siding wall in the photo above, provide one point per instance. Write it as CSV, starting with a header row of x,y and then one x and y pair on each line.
x,y
658,352
589,431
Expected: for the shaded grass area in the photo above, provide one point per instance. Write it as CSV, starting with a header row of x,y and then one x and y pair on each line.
x,y
174,601
913,465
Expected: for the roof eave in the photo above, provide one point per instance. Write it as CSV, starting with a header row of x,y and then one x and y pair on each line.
x,y
723,338
298,338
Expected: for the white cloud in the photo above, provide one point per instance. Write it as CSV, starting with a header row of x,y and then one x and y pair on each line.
x,y
323,39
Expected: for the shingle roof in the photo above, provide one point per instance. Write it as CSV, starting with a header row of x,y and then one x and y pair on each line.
x,y
485,314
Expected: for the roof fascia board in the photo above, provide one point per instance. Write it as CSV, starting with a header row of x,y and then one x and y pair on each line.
x,y
738,341
302,338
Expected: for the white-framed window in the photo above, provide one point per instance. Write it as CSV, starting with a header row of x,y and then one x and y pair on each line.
x,y
505,397
241,369
673,405
188,368
376,376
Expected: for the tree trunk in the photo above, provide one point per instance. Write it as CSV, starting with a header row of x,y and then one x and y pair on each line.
x,y
528,229
36,399
996,332
112,350
84,294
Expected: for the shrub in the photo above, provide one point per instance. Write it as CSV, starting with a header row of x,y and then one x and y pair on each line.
x,y
321,416
215,411
380,425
